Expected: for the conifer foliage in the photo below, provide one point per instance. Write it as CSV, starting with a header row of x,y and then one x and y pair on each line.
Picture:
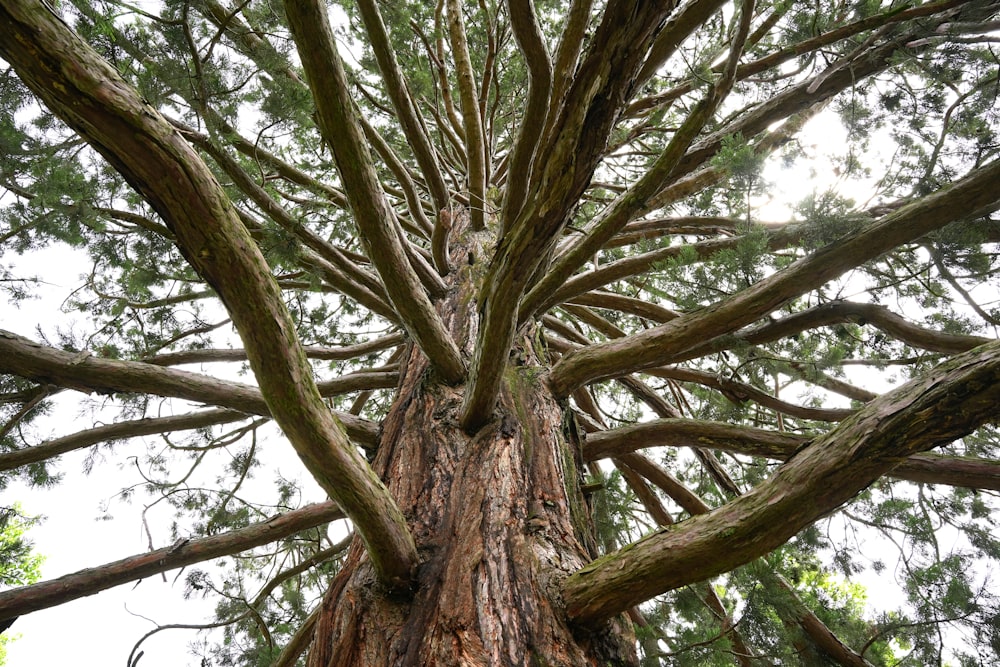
x,y
511,286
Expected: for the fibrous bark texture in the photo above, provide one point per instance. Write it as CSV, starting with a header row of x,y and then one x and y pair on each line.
x,y
499,521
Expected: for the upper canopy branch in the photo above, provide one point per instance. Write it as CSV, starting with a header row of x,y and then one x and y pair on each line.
x,y
406,111
475,139
660,344
310,26
602,85
528,34
632,202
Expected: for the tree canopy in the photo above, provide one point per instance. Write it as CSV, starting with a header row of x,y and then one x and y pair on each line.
x,y
511,287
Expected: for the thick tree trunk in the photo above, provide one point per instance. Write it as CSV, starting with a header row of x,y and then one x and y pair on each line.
x,y
498,518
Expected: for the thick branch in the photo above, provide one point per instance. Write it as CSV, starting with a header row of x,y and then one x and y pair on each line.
x,y
864,314
78,371
94,100
660,344
793,610
947,403
528,34
80,584
927,468
475,144
567,55
603,82
338,121
625,208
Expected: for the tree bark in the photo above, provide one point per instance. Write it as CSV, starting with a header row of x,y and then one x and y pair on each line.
x,y
498,518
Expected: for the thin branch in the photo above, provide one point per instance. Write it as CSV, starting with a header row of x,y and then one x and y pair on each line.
x,y
299,642
814,628
348,279
414,204
121,430
705,590
740,392
678,28
927,468
838,312
322,353
637,264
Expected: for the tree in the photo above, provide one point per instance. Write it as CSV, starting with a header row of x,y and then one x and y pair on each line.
x,y
502,279
18,564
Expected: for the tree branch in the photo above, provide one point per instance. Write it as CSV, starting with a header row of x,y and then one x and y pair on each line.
x,y
80,584
632,203
406,111
121,430
310,26
660,344
340,353
524,24
602,84
630,266
475,147
94,100
947,403
926,468
77,371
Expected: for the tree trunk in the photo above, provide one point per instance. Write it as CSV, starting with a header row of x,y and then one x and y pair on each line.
x,y
498,517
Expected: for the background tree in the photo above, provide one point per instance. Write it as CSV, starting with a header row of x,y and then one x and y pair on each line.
x,y
19,565
500,274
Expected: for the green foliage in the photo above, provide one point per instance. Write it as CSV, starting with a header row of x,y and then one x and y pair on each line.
x,y
19,564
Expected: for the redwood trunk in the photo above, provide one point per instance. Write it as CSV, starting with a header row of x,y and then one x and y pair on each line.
x,y
498,518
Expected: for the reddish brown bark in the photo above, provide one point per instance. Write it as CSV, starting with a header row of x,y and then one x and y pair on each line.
x,y
498,518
